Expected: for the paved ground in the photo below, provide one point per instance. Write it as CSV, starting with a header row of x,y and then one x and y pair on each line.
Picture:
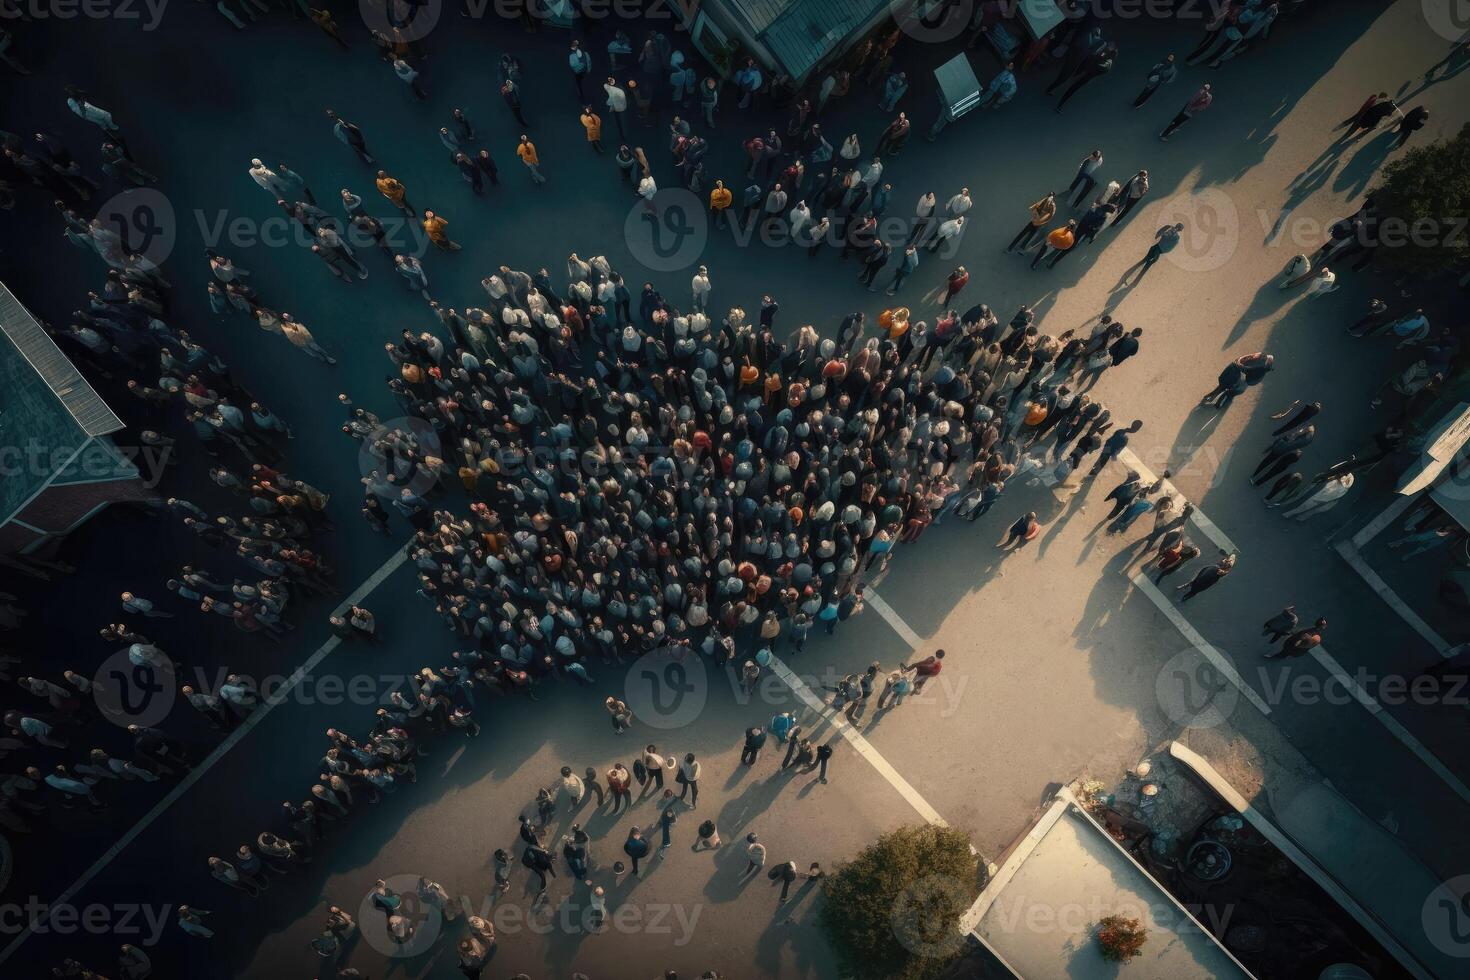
x,y
1060,664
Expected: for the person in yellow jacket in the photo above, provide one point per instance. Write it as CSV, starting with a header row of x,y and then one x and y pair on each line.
x,y
390,188
1041,214
434,226
592,122
720,200
526,150
1058,243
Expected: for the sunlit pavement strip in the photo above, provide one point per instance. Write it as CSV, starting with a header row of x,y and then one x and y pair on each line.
x,y
892,619
1215,657
1320,654
194,775
860,745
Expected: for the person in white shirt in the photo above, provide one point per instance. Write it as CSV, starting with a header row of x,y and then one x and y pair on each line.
x,y
947,230
617,103
700,285
689,779
959,204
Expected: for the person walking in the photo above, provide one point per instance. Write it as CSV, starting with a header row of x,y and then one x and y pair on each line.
x,y
1095,66
755,856
755,740
395,192
1133,192
1166,239
1207,577
510,92
1057,243
409,76
1412,122
1198,102
1021,532
350,135
1086,178
434,226
1302,641
526,150
1161,74
956,281
1279,625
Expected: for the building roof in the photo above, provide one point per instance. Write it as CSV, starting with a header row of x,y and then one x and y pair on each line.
x,y
801,33
1039,912
48,411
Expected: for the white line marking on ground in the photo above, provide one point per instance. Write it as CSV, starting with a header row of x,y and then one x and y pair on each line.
x,y
1210,528
1391,723
860,745
1377,526
893,619
197,773
1218,659
1388,595
453,759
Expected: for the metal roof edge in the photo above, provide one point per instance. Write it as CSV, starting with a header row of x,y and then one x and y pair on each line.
x,y
34,344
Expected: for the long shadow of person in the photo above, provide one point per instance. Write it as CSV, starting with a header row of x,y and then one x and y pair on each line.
x,y
1358,173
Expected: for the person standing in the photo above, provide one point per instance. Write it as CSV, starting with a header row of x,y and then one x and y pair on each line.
x,y
907,263
957,281
580,62
526,150
1022,531
1096,66
1198,102
395,192
1057,244
1161,74
511,93
1302,641
755,855
688,779
617,104
636,848
1133,192
592,123
755,740
1086,178
1041,214
824,755
434,226
1279,625
409,76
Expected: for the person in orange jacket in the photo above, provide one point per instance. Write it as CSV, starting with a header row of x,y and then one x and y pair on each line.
x,y
526,150
1058,243
592,122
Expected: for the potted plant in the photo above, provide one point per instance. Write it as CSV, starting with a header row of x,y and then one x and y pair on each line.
x,y
1120,938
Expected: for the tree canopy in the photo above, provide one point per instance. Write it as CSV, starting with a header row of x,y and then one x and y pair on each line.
x,y
1423,202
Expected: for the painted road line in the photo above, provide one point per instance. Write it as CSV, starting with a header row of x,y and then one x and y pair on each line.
x,y
1391,723
893,619
1217,659
859,744
1349,552
1210,529
1380,523
197,773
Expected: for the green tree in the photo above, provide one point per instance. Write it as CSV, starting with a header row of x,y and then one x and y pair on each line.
x,y
894,910
1423,201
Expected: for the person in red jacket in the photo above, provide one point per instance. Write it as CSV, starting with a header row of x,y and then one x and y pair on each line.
x,y
958,279
925,669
